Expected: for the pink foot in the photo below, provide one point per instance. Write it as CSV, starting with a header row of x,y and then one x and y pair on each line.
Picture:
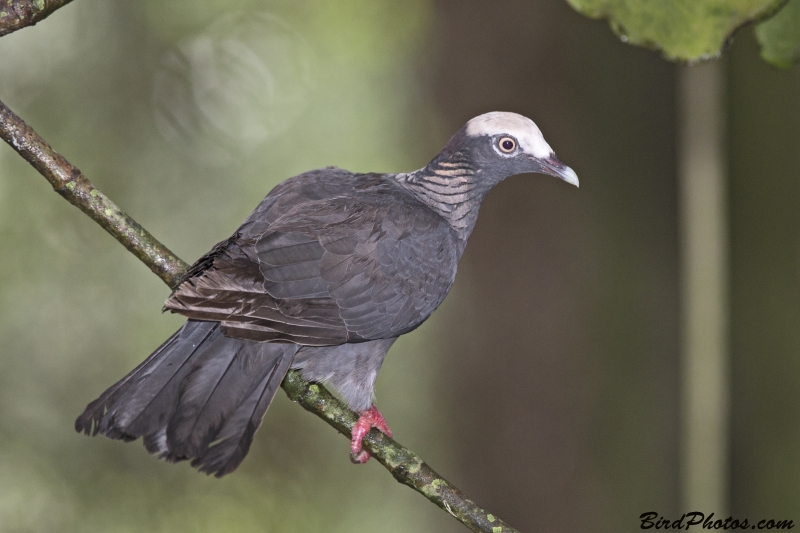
x,y
372,418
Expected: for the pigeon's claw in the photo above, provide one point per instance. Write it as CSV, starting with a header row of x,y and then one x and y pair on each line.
x,y
371,418
361,458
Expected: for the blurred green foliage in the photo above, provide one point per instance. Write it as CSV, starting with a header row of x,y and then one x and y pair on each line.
x,y
691,30
780,36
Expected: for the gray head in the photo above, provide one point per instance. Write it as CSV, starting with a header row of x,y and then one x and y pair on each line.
x,y
502,144
488,149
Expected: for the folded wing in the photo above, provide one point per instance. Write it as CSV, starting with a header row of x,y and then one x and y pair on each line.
x,y
327,271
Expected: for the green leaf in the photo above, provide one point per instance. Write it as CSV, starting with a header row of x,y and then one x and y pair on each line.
x,y
684,30
780,36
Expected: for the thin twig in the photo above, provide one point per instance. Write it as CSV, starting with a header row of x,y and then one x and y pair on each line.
x,y
406,466
70,183
18,14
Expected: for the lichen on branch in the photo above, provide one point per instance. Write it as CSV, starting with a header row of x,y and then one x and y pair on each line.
x,y
406,466
18,14
70,183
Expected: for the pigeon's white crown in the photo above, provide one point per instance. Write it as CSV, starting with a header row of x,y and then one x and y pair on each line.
x,y
522,128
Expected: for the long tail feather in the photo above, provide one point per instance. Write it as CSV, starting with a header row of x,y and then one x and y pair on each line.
x,y
198,388
233,440
171,354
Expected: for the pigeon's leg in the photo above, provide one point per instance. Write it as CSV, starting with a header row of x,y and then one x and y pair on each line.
x,y
371,418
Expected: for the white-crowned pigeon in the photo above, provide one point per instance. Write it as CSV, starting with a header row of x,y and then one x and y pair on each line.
x,y
326,273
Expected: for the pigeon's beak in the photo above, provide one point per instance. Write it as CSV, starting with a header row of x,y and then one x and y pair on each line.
x,y
551,165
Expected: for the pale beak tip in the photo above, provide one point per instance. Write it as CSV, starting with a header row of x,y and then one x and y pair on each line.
x,y
553,166
569,176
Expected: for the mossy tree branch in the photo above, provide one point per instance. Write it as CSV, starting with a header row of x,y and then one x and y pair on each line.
x,y
70,183
406,466
18,14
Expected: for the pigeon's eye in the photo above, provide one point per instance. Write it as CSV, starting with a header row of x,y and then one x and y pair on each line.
x,y
507,144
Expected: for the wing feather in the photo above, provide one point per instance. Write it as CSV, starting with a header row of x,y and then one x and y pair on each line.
x,y
327,266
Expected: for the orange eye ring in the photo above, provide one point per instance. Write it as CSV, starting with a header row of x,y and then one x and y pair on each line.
x,y
507,145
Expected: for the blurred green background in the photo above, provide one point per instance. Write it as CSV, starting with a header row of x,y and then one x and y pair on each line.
x,y
547,385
